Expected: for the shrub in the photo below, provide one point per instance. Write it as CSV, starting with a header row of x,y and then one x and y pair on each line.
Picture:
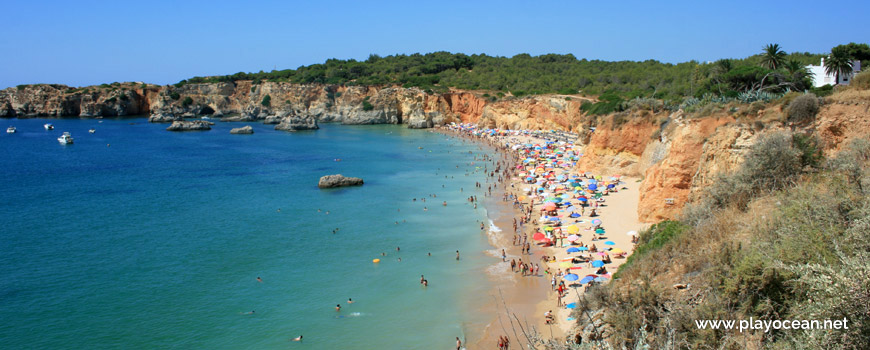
x,y
187,101
367,106
111,100
825,90
861,80
803,109
567,91
124,97
174,95
267,101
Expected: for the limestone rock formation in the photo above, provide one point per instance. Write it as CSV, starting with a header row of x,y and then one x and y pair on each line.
x,y
330,181
247,129
296,123
194,125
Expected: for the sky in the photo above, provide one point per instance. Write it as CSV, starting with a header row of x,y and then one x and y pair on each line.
x,y
80,43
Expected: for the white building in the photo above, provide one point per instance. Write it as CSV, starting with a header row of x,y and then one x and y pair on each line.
x,y
820,78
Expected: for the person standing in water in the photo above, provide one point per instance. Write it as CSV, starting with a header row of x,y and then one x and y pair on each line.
x,y
457,255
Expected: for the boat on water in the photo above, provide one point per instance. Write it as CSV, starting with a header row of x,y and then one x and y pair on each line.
x,y
65,139
92,130
11,130
48,126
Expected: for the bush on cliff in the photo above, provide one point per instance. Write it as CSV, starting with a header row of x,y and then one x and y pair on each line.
x,y
187,101
174,95
267,101
803,108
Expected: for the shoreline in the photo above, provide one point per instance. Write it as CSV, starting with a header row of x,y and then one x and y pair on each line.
x,y
519,303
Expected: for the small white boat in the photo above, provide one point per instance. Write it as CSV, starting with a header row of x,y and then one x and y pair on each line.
x,y
48,126
92,130
65,139
11,130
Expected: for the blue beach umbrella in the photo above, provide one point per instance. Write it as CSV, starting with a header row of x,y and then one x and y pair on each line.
x,y
571,277
597,263
610,243
571,305
592,181
574,215
587,279
573,250
583,199
583,249
592,187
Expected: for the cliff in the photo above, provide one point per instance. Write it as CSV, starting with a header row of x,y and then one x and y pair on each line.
x,y
246,101
679,155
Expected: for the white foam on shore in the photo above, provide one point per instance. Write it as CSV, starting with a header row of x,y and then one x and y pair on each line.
x,y
501,271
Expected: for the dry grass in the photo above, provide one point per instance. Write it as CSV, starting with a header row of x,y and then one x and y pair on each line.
x,y
849,96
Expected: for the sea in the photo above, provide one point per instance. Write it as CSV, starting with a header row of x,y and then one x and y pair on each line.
x,y
135,237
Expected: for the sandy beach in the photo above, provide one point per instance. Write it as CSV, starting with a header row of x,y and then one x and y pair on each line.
x,y
520,301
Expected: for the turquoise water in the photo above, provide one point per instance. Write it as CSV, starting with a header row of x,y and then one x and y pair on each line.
x,y
135,237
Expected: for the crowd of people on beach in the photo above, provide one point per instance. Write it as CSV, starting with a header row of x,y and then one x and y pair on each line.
x,y
557,208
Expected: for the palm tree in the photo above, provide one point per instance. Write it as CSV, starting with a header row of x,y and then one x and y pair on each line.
x,y
838,62
773,56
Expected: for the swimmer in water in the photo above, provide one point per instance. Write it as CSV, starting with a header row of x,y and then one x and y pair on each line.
x,y
259,280
349,301
299,338
248,313
337,307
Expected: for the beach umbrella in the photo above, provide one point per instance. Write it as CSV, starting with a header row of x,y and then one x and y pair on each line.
x,y
599,231
587,279
609,243
550,206
572,229
583,249
601,253
539,236
573,215
572,238
617,251
597,263
592,187
573,250
592,181
596,222
632,233
571,277
583,199
571,305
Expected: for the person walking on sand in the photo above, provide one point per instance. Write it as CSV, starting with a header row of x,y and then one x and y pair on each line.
x,y
503,255
458,344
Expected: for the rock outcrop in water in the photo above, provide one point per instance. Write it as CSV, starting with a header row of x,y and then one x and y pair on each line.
x,y
247,129
331,181
193,125
297,123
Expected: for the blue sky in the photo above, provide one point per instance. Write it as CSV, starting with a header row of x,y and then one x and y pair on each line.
x,y
91,42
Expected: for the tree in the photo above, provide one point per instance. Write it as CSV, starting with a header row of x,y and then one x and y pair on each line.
x,y
838,62
267,101
859,52
773,56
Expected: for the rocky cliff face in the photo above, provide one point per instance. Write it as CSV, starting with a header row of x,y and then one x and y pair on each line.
x,y
51,100
271,101
678,157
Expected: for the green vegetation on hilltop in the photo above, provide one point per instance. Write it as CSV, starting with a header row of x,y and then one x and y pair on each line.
x,y
552,73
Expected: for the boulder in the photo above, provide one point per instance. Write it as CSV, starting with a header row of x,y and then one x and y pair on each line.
x,y
247,129
330,181
272,119
295,123
194,125
163,118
